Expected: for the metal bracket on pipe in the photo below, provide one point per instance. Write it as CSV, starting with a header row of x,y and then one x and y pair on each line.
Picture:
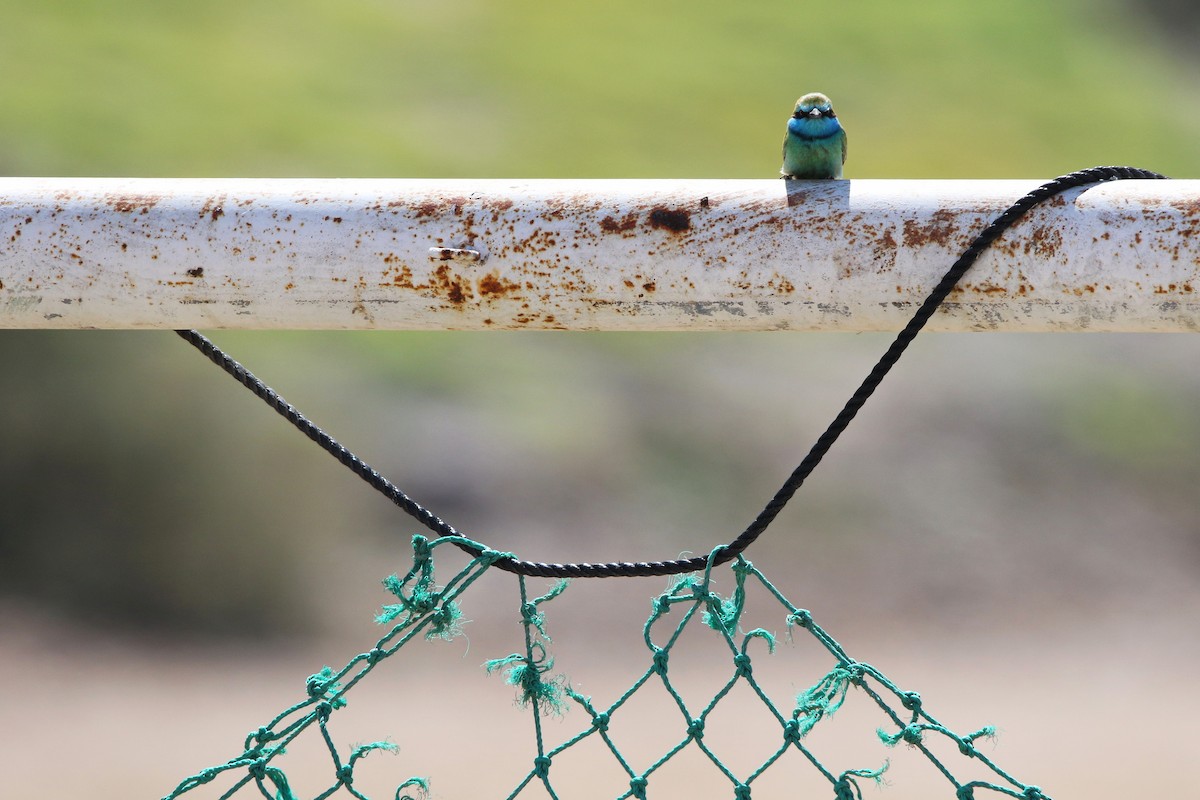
x,y
590,255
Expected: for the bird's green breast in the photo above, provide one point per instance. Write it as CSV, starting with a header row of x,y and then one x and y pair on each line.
x,y
813,158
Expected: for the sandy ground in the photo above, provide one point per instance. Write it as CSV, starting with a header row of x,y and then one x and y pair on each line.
x,y
1097,713
1019,549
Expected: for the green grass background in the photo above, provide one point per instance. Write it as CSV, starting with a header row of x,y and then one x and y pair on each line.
x,y
938,89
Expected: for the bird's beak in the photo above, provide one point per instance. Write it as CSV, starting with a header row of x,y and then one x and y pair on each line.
x,y
816,112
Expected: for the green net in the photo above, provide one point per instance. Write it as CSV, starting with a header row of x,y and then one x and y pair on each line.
x,y
425,610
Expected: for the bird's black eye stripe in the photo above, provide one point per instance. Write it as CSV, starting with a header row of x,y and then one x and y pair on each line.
x,y
800,114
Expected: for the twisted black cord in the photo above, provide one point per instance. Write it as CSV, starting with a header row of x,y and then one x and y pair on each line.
x,y
777,503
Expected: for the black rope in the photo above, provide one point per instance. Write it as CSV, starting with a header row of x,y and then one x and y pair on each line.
x,y
764,519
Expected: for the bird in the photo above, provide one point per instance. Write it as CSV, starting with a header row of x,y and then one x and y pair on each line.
x,y
815,143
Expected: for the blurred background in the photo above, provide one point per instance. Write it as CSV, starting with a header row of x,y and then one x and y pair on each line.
x,y
1011,527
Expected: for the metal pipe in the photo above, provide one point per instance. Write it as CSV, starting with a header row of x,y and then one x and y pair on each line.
x,y
590,255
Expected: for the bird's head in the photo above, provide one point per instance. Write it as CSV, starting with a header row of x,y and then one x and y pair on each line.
x,y
814,106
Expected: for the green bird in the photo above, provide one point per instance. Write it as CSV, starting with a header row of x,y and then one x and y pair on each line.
x,y
815,143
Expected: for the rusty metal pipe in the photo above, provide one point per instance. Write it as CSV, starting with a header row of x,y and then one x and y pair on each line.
x,y
590,255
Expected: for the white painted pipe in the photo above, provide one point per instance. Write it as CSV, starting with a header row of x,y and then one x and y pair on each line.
x,y
590,255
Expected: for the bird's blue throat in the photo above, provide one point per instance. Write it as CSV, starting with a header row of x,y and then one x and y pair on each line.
x,y
811,129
